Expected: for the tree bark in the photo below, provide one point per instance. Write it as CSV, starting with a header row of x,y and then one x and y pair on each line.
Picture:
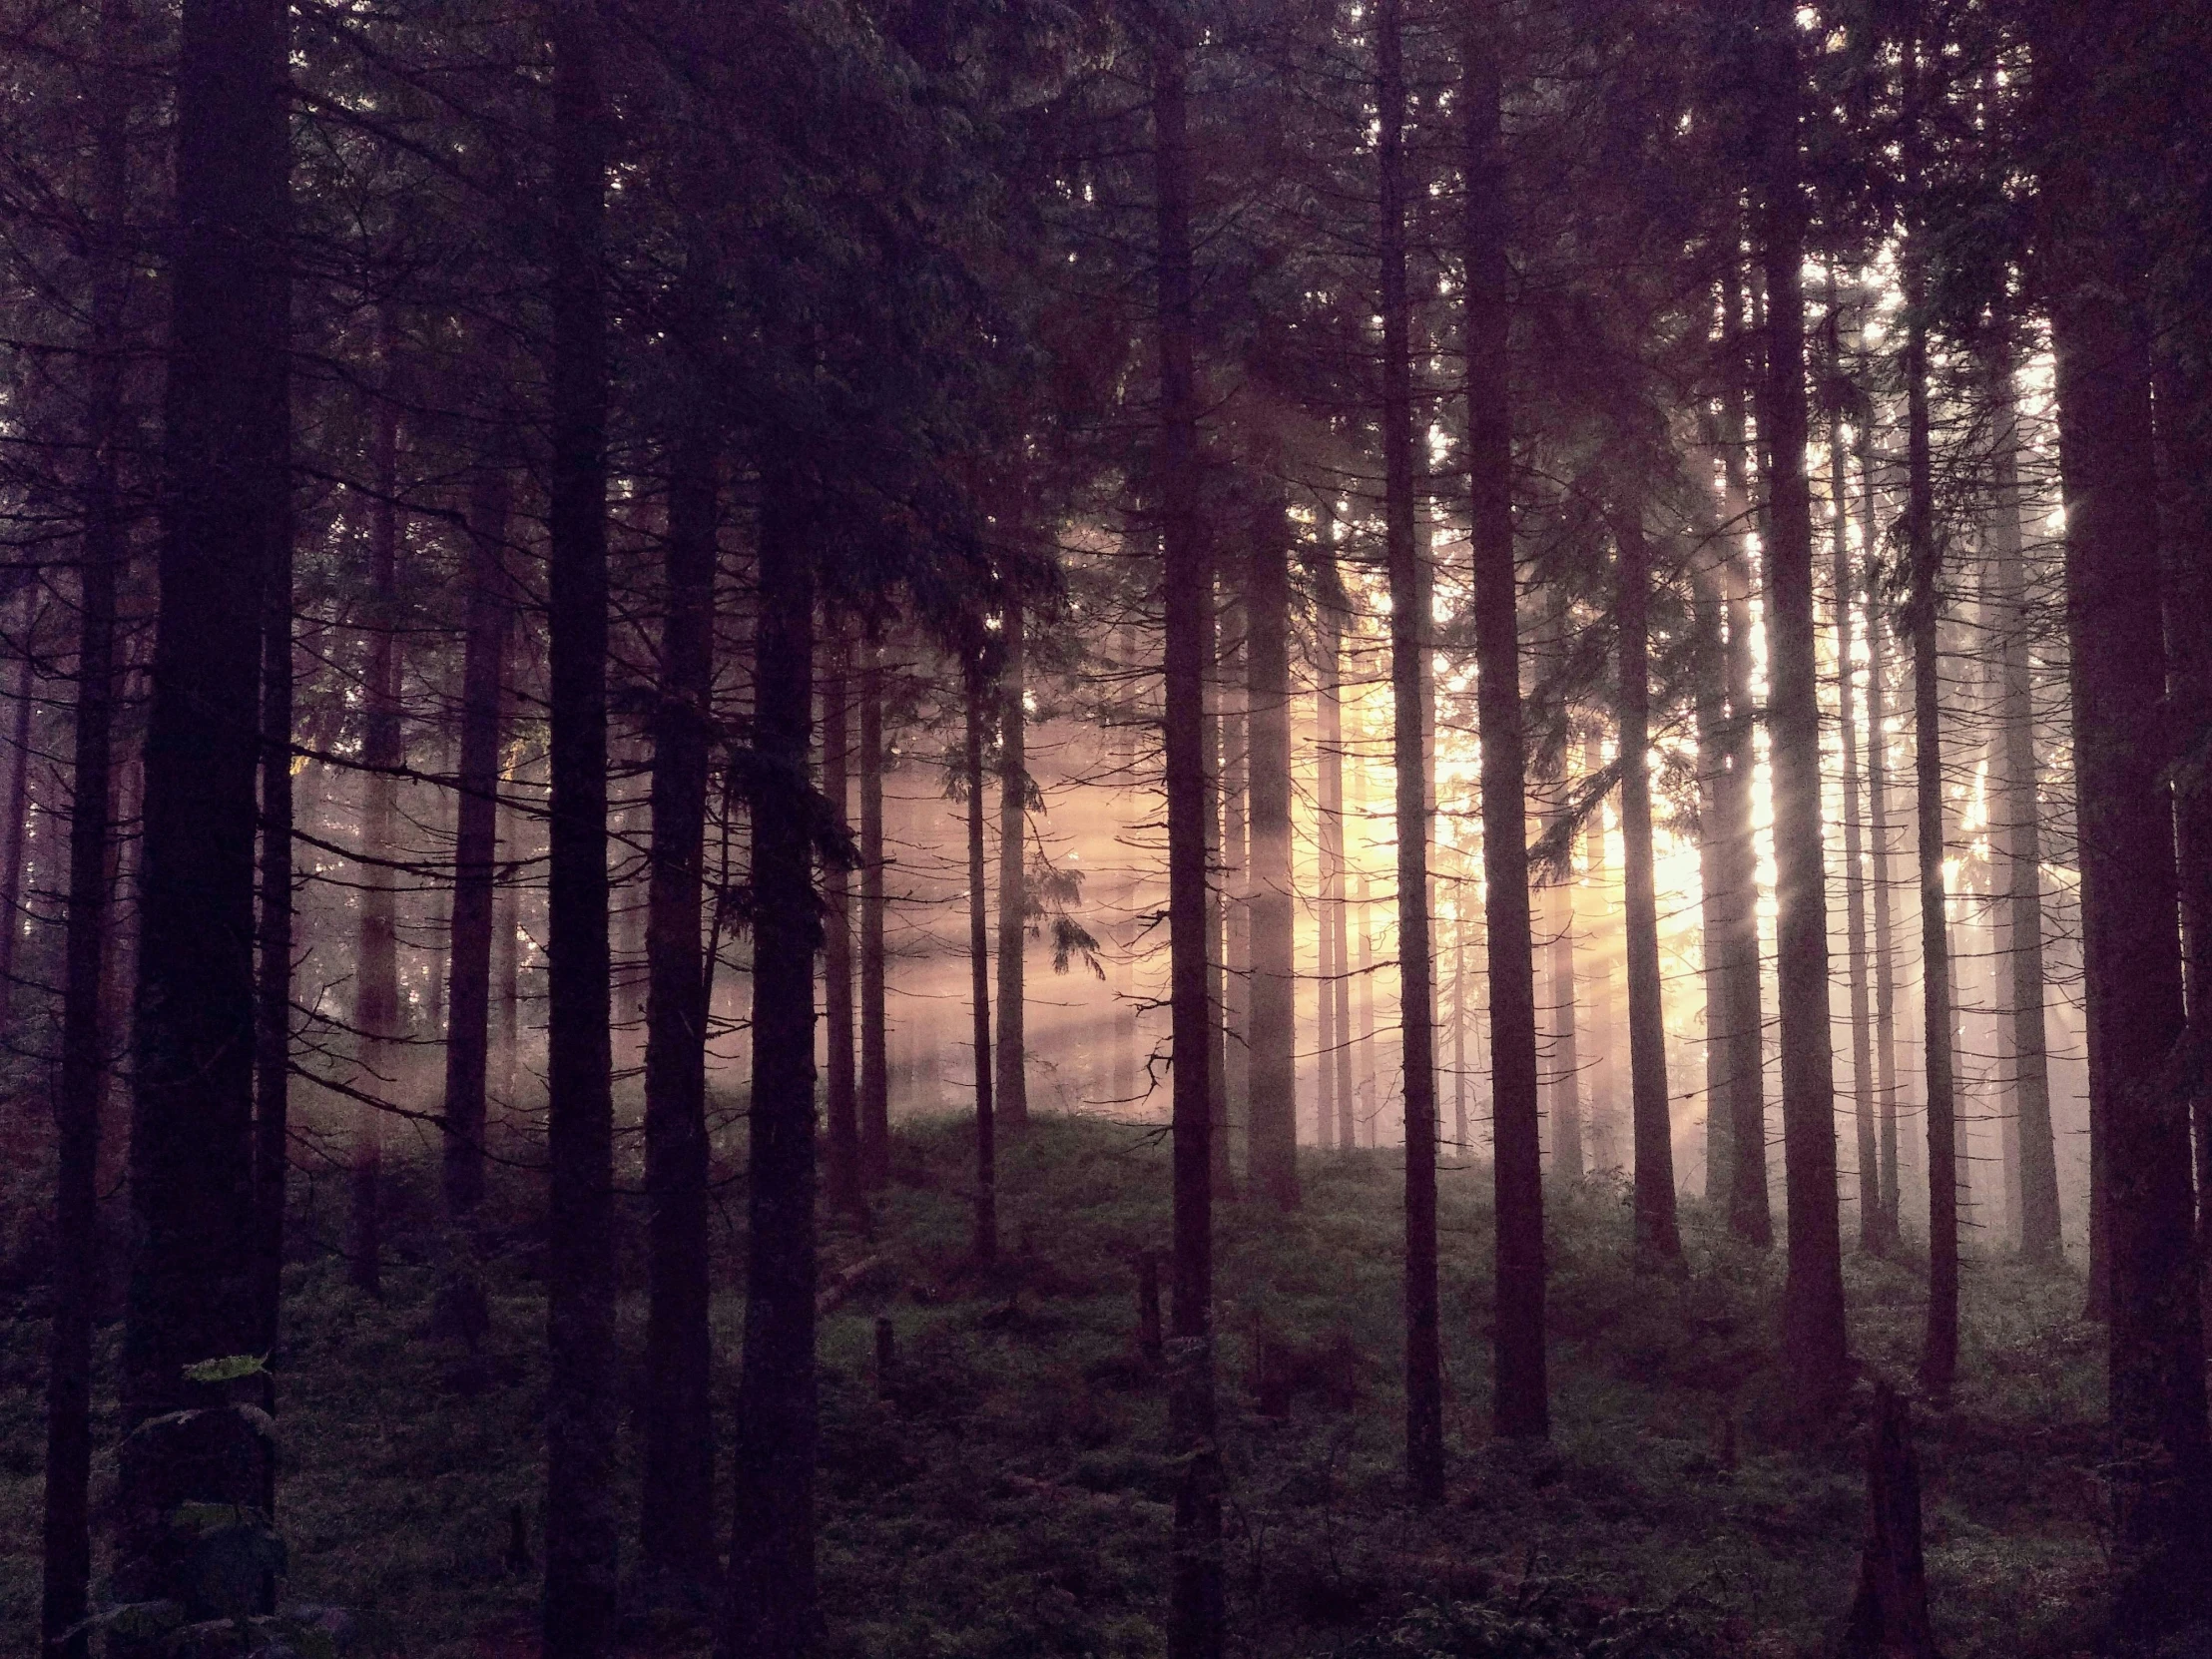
x,y
194,1261
1878,851
1196,1615
105,544
581,1536
875,1117
1522,1407
1813,1293
1272,1157
1855,888
976,736
1336,985
1010,1096
676,1529
19,815
2130,943
1416,967
488,623
376,1017
840,1093
774,1606
1656,1233
1940,1354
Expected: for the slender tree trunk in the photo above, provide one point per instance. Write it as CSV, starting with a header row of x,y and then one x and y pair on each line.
x,y
2130,944
1523,1405
1712,867
1272,1157
194,1261
581,1537
676,1529
1813,1293
1336,987
1855,886
1596,969
19,816
67,1556
1217,1073
1749,1215
1940,1355
1656,1232
1885,955
1010,1096
1424,1400
840,1093
1235,862
979,965
1367,1090
273,943
1195,1601
774,1606
875,1116
1566,1046
489,621
376,1017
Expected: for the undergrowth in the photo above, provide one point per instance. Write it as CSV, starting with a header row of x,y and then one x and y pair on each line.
x,y
1005,1491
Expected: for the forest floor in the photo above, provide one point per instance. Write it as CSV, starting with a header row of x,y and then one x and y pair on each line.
x,y
1008,1494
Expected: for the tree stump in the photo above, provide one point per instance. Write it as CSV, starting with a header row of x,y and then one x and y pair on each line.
x,y
1890,1614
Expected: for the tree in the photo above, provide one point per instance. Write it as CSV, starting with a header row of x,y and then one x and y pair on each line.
x,y
194,1262
1522,1406
580,1531
1272,1159
1812,1295
1010,1098
1194,1596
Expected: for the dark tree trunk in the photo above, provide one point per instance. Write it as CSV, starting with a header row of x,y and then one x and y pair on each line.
x,y
676,1529
1010,1097
1878,871
1743,1038
274,942
1656,1233
841,1094
1855,886
194,1262
1335,987
1272,1120
1196,1615
19,815
773,1609
876,1118
1940,1355
1813,1293
2130,943
376,1019
1523,1398
1888,1616
1416,967
84,1069
976,736
489,621
581,1538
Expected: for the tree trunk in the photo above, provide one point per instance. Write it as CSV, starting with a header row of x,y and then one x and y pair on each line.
x,y
1217,1072
979,964
1888,1616
1940,1355
1855,886
194,1261
67,1554
1523,1404
676,1529
1712,721
1656,1233
1235,860
580,1528
1596,971
1272,1111
1567,1047
376,1018
489,621
1878,802
19,815
841,1094
1336,985
1010,1096
1366,1088
2130,944
1813,1293
1749,1215
774,1606
1195,1603
1424,1400
875,1116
